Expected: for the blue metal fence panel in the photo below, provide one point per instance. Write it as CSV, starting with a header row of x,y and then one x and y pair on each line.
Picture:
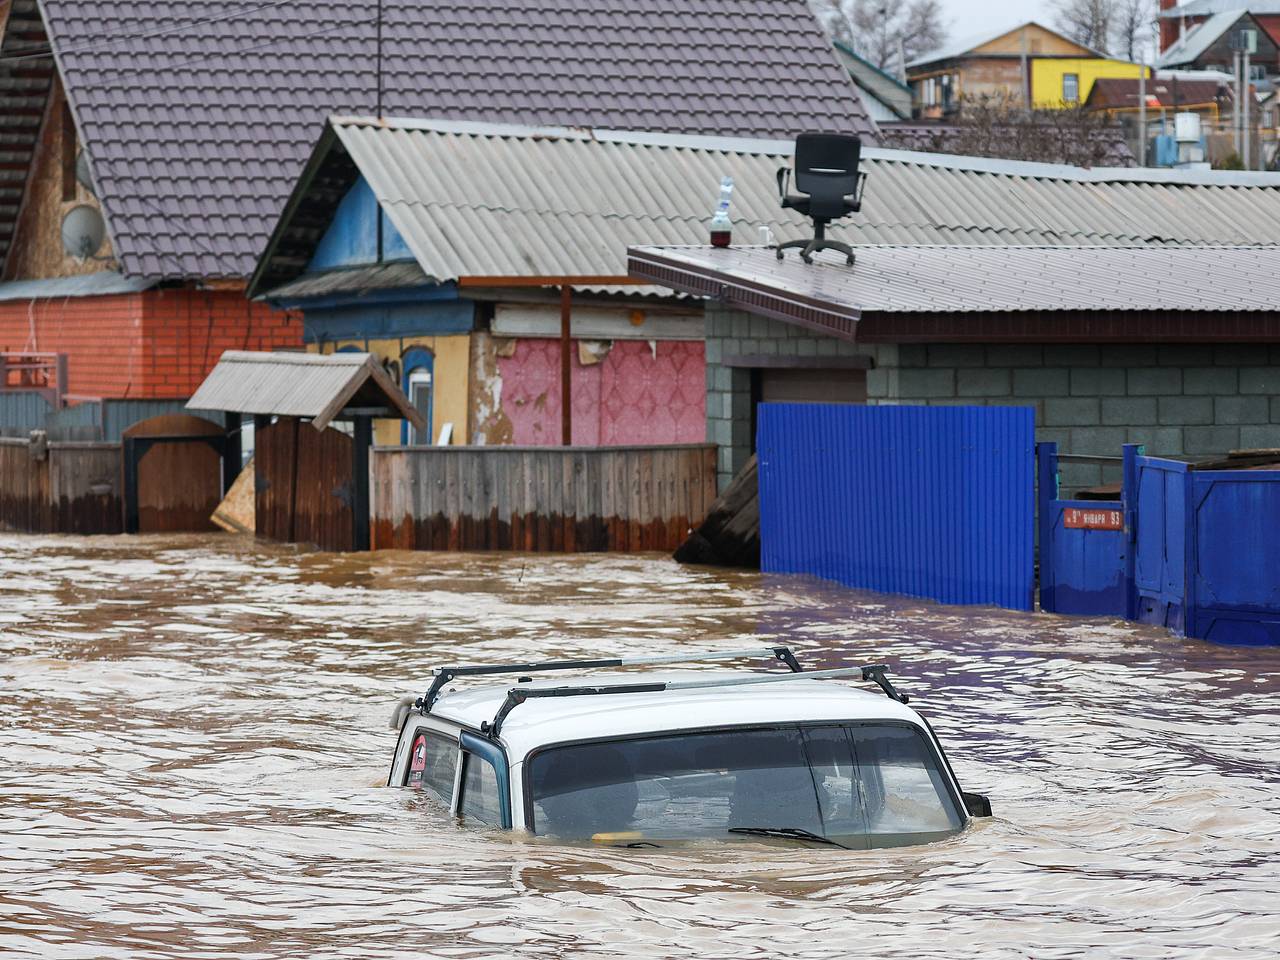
x,y
119,415
933,502
22,411
1160,550
83,421
1233,529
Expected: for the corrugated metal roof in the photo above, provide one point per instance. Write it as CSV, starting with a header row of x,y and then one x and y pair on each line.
x,y
492,201
1200,8
354,280
1199,39
300,385
200,114
955,279
87,285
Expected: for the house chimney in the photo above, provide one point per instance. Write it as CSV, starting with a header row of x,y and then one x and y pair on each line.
x,y
1168,26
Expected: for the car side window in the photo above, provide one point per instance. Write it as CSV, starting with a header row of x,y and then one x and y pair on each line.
x,y
432,761
481,802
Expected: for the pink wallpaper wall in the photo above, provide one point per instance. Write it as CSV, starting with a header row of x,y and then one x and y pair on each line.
x,y
638,394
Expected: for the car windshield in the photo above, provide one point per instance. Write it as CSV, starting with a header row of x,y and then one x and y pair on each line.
x,y
859,785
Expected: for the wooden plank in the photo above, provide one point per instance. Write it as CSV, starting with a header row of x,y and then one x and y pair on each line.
x,y
528,505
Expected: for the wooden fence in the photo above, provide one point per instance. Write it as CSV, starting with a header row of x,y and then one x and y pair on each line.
x,y
60,487
303,485
621,499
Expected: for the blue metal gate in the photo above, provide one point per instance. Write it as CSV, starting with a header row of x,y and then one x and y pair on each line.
x,y
1207,550
931,502
1083,548
1156,493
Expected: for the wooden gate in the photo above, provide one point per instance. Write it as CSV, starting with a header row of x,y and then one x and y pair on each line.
x,y
172,474
303,481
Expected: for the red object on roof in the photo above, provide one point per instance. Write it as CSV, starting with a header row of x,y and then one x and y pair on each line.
x,y
1115,93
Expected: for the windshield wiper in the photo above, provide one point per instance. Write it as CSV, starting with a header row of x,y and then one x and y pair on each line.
x,y
788,833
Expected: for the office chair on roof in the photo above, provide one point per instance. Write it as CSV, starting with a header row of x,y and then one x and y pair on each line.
x,y
827,173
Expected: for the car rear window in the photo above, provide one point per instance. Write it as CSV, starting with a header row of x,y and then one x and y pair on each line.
x,y
432,761
859,785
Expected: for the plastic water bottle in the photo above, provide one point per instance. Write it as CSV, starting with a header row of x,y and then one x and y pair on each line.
x,y
721,225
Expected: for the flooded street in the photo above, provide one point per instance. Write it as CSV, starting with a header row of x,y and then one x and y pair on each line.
x,y
193,736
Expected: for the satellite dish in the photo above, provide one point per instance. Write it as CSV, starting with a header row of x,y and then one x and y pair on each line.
x,y
83,174
83,231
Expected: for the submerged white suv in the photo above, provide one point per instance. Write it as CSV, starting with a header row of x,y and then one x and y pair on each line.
x,y
650,760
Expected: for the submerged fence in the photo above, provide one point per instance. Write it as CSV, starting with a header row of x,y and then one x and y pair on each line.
x,y
540,498
930,502
48,487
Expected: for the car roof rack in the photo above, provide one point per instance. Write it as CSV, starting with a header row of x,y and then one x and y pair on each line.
x,y
878,673
445,675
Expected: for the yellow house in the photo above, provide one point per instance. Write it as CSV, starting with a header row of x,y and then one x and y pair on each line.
x,y
1067,81
1029,63
435,374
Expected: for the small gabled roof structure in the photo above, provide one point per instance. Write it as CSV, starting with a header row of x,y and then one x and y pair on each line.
x,y
1193,44
957,48
198,116
322,387
484,202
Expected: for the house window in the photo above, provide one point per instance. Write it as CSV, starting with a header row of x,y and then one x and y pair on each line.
x,y
419,387
1071,87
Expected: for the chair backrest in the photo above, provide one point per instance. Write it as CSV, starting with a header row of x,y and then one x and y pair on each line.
x,y
826,167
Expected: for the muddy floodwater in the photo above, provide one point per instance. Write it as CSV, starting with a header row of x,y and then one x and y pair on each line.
x,y
193,742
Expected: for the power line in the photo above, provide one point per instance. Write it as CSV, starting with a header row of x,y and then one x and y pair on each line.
x,y
114,40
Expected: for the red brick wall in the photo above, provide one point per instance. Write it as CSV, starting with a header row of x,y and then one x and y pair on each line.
x,y
160,343
186,332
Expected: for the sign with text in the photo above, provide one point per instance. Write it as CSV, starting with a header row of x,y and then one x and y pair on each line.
x,y
1075,518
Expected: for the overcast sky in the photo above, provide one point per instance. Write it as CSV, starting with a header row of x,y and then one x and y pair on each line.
x,y
965,17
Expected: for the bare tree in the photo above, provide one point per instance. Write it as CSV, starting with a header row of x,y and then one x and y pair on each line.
x,y
1087,22
998,125
1134,20
880,31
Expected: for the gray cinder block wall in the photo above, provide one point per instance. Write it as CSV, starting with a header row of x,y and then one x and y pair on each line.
x,y
1183,401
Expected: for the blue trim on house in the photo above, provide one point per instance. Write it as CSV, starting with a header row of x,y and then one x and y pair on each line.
x,y
398,295
352,237
418,358
362,319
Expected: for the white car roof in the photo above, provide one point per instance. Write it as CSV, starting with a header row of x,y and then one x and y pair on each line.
x,y
547,720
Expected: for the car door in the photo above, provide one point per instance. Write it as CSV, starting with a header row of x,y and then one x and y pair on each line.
x,y
484,795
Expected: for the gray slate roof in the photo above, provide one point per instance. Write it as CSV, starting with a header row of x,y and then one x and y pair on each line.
x,y
1199,38
199,116
492,201
300,385
961,279
1194,8
102,283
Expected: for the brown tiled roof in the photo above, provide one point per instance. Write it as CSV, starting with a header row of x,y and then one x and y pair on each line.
x,y
1115,93
199,116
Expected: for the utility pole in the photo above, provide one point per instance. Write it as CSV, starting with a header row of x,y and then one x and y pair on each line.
x,y
1247,138
1235,103
1142,117
1026,80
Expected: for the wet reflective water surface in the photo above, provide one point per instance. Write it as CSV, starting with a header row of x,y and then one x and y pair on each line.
x,y
193,738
